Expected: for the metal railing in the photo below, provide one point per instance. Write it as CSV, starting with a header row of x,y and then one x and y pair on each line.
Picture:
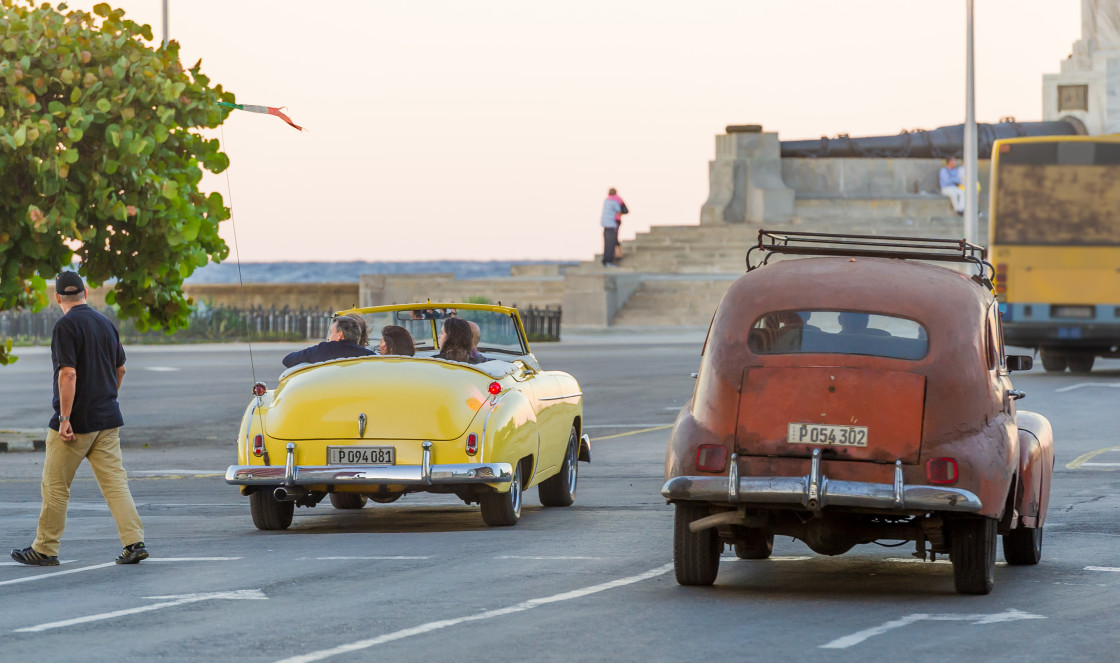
x,y
230,325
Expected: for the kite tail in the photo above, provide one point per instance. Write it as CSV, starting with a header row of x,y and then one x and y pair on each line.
x,y
266,110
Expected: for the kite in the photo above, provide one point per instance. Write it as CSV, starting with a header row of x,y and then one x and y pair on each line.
x,y
267,110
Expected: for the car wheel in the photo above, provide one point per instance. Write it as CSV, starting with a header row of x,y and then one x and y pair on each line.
x,y
560,489
974,555
503,509
268,512
385,498
1054,361
695,554
1081,363
1022,546
348,500
757,544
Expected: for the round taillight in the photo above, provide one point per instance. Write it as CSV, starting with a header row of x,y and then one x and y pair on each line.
x,y
259,389
495,388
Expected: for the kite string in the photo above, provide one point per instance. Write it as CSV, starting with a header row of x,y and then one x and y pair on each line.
x,y
237,256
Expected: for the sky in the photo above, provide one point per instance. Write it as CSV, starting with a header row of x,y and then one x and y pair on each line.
x,y
443,129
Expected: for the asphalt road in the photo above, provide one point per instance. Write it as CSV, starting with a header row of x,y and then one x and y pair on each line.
x,y
423,580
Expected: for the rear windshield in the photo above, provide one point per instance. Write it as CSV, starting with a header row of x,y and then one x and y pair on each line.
x,y
838,332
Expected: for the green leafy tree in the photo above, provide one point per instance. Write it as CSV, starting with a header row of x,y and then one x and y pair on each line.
x,y
100,158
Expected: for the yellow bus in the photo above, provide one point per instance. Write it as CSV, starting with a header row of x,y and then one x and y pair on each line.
x,y
1054,238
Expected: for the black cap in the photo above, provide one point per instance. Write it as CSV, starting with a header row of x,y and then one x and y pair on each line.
x,y
69,283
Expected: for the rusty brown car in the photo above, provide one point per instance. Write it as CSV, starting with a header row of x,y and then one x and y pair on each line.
x,y
861,395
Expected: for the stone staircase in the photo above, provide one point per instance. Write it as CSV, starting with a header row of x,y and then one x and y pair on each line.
x,y
685,270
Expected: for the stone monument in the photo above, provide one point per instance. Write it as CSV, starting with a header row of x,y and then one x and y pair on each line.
x,y
746,179
1088,87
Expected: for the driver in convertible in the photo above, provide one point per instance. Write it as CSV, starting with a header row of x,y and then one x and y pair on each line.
x,y
342,341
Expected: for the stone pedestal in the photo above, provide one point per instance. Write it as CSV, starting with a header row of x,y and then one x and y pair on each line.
x,y
1088,87
745,180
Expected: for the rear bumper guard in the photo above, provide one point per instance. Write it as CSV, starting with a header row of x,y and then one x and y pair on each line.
x,y
815,491
425,474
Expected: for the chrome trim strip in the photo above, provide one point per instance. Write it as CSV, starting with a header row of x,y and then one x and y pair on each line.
x,y
371,475
560,398
426,463
249,427
290,464
813,492
733,480
899,486
795,491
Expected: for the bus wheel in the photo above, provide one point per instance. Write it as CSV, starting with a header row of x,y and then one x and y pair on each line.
x,y
1054,361
1081,363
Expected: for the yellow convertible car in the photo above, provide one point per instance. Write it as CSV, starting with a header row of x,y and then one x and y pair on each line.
x,y
376,427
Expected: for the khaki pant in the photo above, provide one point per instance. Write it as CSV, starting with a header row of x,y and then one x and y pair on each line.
x,y
103,449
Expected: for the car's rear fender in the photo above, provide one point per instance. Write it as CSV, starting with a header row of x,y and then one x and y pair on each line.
x,y
510,434
1036,467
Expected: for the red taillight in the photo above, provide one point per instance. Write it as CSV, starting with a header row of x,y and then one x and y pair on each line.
x,y
941,470
495,388
1001,278
472,444
711,458
259,389
258,446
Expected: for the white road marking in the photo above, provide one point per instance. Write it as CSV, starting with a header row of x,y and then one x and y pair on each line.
x,y
190,559
1100,464
43,576
178,599
175,472
625,425
377,557
915,560
1081,385
489,614
997,618
161,369
64,561
545,557
774,558
1102,568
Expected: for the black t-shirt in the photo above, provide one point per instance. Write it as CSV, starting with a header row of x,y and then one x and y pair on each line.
x,y
86,341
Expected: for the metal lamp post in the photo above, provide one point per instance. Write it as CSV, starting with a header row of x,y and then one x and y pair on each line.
x,y
971,200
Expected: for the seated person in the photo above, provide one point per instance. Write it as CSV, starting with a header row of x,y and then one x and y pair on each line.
x,y
455,341
476,335
396,341
364,340
856,323
342,342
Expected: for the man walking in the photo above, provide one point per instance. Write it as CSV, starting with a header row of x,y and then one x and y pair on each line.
x,y
613,209
88,369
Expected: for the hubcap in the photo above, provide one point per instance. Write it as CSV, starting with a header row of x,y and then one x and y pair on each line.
x,y
515,492
573,464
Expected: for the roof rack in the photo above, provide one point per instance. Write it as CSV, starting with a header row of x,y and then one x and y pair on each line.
x,y
771,242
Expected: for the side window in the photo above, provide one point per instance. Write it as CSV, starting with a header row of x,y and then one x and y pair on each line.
x,y
993,342
999,337
990,353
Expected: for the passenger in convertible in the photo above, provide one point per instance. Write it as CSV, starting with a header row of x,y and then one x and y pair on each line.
x,y
342,342
396,341
476,336
455,341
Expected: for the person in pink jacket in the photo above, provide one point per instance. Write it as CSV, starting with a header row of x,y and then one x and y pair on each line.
x,y
611,219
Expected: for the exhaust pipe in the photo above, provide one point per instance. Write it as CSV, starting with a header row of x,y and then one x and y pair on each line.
x,y
289,493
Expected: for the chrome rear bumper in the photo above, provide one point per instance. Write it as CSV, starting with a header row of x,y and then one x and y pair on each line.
x,y
815,491
425,474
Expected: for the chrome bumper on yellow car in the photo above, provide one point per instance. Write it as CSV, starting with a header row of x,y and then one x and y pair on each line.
x,y
425,474
815,491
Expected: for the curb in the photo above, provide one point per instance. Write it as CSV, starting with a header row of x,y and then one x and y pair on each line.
x,y
22,439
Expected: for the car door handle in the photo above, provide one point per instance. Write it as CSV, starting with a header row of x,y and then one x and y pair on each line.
x,y
1015,394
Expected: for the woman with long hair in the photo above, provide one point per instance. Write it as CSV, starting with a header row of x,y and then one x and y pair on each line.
x,y
396,341
455,341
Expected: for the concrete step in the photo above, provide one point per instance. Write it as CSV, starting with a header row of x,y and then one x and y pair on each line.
x,y
666,302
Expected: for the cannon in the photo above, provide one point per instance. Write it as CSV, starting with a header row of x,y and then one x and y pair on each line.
x,y
942,142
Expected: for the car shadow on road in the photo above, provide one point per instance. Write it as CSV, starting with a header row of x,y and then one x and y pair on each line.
x,y
379,519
